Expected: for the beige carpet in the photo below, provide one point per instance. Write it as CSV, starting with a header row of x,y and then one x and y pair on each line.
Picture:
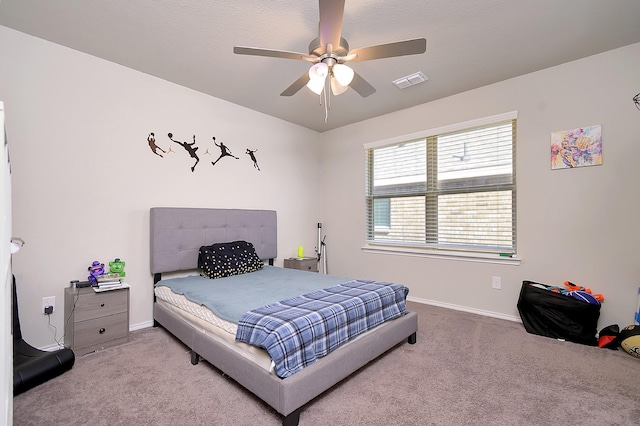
x,y
464,370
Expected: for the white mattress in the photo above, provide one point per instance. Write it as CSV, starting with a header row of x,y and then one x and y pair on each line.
x,y
209,323
200,311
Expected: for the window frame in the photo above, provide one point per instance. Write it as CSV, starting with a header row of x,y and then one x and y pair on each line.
x,y
434,250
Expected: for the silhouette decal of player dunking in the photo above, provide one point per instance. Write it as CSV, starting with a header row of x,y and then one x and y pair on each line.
x,y
224,151
253,158
152,144
190,149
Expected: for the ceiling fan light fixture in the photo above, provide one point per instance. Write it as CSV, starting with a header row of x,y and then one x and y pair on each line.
x,y
343,74
319,71
328,53
337,88
317,76
316,85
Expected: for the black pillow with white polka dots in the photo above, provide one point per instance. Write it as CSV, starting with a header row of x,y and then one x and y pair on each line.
x,y
227,259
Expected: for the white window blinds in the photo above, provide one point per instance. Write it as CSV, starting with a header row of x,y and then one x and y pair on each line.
x,y
453,190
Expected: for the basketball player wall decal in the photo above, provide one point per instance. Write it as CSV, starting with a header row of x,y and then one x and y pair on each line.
x,y
192,149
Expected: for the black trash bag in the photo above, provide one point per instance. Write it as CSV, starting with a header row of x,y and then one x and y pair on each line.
x,y
556,315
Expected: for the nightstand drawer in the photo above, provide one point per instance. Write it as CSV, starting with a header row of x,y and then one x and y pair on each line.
x,y
302,263
100,331
92,305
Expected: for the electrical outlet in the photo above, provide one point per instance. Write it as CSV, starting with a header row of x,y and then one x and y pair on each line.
x,y
49,301
496,283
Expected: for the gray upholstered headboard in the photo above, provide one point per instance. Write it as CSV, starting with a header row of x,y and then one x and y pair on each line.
x,y
178,233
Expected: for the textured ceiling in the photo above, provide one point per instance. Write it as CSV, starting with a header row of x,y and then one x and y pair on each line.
x,y
470,43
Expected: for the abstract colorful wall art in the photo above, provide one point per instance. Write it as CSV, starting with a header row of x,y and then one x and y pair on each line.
x,y
579,147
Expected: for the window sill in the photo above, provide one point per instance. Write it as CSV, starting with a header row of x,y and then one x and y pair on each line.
x,y
442,254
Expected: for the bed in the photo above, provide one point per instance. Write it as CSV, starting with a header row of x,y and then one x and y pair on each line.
x,y
176,237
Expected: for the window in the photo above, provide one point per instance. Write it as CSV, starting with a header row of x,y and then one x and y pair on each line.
x,y
449,189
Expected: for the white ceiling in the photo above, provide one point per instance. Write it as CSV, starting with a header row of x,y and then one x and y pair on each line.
x,y
470,43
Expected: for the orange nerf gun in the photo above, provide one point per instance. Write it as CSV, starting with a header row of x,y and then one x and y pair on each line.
x,y
573,287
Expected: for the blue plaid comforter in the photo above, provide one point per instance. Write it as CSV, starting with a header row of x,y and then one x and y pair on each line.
x,y
297,331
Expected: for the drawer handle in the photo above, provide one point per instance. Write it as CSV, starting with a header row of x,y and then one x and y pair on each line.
x,y
102,305
102,330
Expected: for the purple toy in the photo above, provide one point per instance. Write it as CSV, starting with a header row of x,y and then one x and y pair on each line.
x,y
96,269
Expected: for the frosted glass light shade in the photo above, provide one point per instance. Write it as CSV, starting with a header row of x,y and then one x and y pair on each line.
x,y
319,70
337,88
316,85
343,74
317,75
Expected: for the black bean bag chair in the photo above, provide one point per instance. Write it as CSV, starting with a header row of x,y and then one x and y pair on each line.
x,y
32,366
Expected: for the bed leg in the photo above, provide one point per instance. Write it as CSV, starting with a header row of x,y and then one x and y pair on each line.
x,y
156,323
412,339
195,358
292,419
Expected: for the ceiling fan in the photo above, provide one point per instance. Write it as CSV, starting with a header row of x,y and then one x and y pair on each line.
x,y
329,52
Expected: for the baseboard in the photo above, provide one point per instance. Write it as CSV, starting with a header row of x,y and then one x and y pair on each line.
x,y
141,325
51,348
465,309
132,327
146,324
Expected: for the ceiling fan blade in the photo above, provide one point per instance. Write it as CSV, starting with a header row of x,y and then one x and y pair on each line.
x,y
331,14
390,50
297,85
361,86
241,50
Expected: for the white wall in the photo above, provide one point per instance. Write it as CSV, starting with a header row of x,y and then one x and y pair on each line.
x,y
84,177
578,225
6,314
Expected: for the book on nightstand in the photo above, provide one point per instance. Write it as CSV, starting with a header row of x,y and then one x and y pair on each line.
x,y
111,286
108,278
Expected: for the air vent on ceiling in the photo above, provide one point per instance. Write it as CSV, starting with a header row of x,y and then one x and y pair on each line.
x,y
410,80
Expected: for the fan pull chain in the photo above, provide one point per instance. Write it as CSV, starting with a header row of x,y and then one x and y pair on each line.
x,y
327,107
